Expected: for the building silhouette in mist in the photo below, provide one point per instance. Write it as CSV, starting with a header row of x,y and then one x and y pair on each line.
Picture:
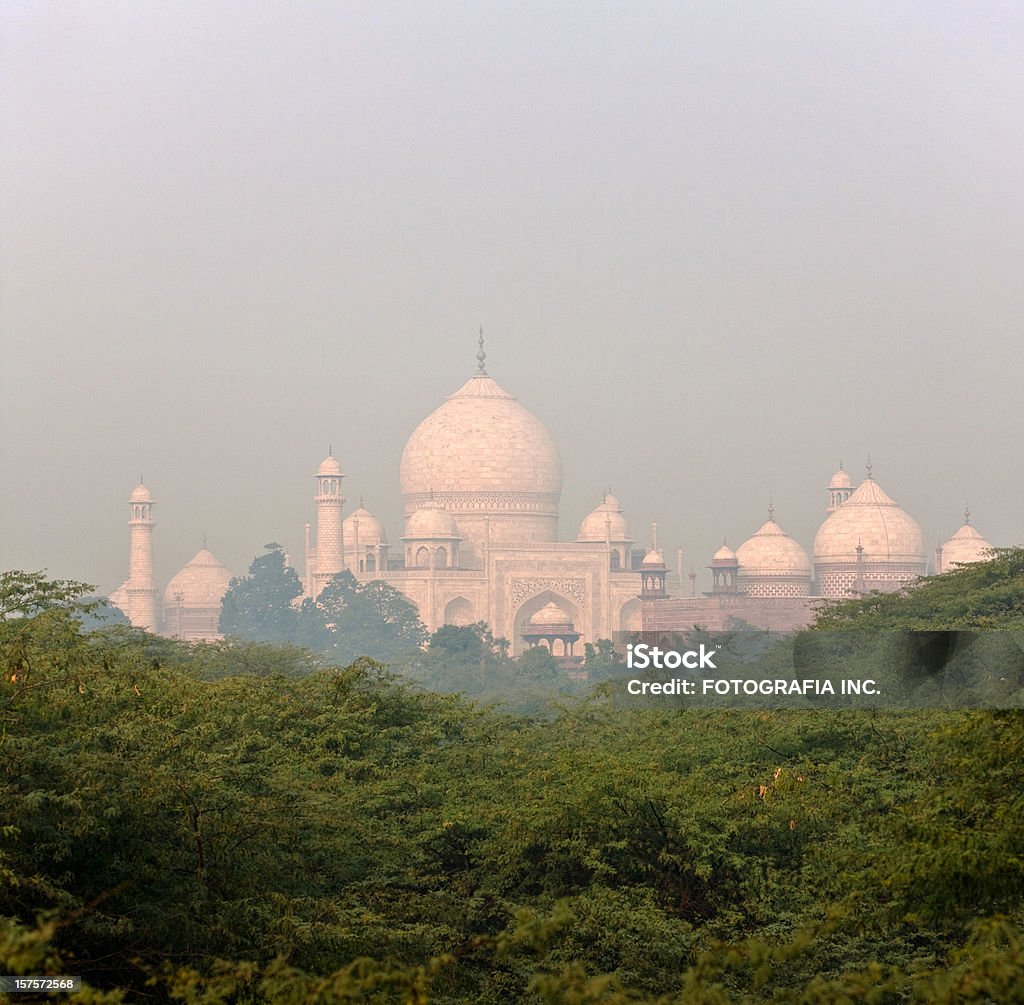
x,y
481,481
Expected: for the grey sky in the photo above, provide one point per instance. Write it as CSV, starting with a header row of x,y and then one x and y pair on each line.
x,y
714,246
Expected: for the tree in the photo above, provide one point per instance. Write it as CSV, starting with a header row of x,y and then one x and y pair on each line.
x,y
24,594
259,607
980,595
601,660
536,665
351,619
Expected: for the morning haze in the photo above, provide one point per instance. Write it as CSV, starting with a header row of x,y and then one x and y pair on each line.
x,y
715,249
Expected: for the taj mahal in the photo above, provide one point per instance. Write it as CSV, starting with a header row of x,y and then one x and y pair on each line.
x,y
481,481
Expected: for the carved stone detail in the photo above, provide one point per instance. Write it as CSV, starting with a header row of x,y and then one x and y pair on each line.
x,y
523,589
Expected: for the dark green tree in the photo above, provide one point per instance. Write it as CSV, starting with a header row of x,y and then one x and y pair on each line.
x,y
260,607
601,660
980,595
352,619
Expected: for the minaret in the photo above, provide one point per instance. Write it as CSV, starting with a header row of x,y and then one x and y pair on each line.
x,y
330,543
140,591
840,488
653,571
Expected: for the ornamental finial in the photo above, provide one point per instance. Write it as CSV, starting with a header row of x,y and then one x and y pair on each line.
x,y
771,508
481,356
869,468
967,514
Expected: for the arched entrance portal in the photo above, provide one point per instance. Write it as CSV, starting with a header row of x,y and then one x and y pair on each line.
x,y
530,607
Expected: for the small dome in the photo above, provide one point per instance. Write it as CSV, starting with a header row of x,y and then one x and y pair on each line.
x,y
371,530
653,560
869,518
550,617
771,551
431,522
201,583
604,521
329,466
140,494
965,546
724,554
841,480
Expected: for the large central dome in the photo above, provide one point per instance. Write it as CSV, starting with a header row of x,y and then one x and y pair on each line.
x,y
488,461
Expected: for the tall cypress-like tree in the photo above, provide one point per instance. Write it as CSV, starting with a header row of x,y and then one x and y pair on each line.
x,y
259,607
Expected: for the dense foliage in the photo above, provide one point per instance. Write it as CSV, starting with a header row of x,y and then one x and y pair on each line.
x,y
239,823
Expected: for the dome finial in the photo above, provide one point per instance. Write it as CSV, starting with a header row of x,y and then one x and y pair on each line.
x,y
360,500
967,514
771,508
481,356
869,468
204,540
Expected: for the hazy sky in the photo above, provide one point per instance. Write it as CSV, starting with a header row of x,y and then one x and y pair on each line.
x,y
715,247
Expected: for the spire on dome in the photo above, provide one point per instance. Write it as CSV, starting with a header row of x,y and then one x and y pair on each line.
x,y
481,356
869,468
967,515
771,508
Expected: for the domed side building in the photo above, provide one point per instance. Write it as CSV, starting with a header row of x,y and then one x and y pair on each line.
x,y
772,564
867,543
964,547
192,599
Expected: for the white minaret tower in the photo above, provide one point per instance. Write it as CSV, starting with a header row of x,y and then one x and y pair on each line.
x,y
139,590
330,545
840,488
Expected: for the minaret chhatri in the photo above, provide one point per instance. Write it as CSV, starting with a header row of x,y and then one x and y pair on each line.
x,y
141,593
330,544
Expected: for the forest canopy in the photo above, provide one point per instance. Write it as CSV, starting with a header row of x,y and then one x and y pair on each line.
x,y
250,822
